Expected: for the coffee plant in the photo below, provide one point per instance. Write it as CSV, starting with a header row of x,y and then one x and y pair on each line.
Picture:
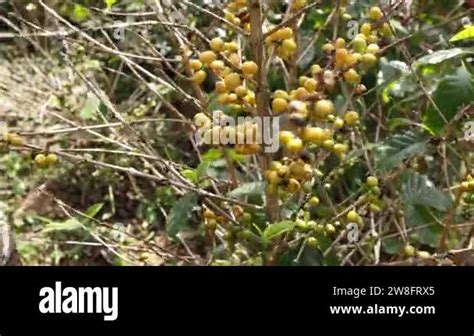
x,y
238,132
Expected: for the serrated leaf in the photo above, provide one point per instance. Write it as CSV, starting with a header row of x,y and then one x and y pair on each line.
x,y
180,215
90,107
419,190
398,148
440,56
453,91
466,33
274,230
248,189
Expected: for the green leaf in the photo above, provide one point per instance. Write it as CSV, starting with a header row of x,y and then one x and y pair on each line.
x,y
180,215
248,189
440,56
398,148
277,229
90,107
71,224
453,91
419,190
110,3
392,245
212,154
466,33
79,13
190,175
201,170
94,209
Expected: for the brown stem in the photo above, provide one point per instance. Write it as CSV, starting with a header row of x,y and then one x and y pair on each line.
x,y
261,95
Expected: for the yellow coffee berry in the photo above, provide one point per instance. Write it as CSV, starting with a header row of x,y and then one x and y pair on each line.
x,y
209,214
14,139
340,43
220,87
231,46
195,64
314,135
250,98
217,66
207,57
283,34
375,13
298,4
351,118
311,85
289,46
359,44
352,77
386,31
423,254
51,159
372,181
339,149
40,160
232,81
373,39
272,177
338,123
373,48
409,250
232,98
366,29
369,60
199,77
285,137
352,216
234,58
341,55
249,68
281,94
223,98
313,201
293,185
217,44
323,108
279,105
316,69
328,48
241,91
295,145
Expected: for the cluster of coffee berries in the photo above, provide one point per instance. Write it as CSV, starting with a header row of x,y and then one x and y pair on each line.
x,y
289,175
373,197
467,188
467,185
284,42
243,137
410,251
45,161
237,13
